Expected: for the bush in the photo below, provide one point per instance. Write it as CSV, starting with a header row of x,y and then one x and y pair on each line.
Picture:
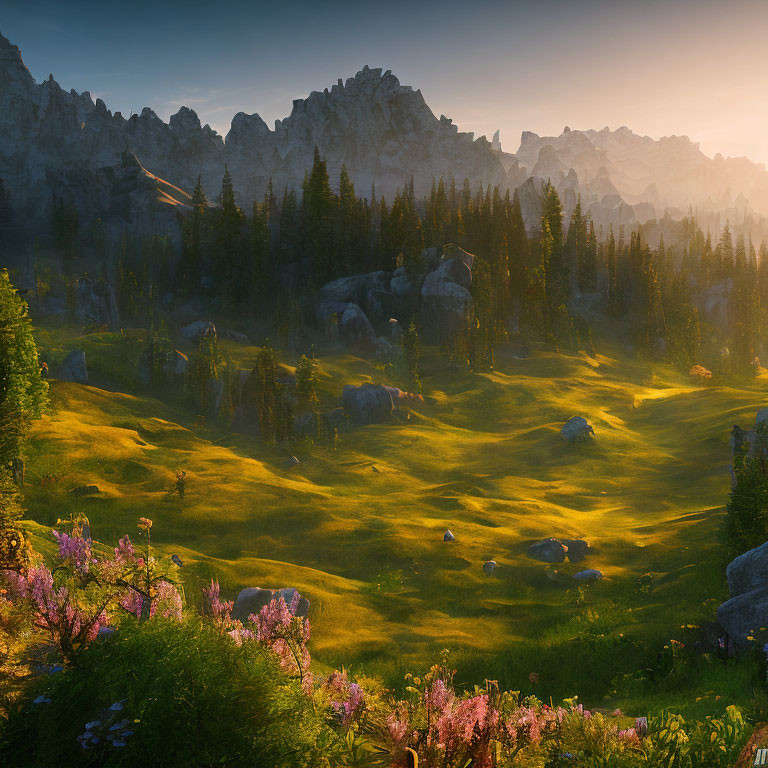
x,y
179,694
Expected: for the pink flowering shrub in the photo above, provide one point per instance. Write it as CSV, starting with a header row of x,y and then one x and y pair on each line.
x,y
276,626
80,594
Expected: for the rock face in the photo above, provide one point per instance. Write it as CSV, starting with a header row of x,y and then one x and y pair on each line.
x,y
368,403
576,430
96,304
253,599
73,368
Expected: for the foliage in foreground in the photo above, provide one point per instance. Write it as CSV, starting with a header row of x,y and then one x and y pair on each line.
x,y
159,687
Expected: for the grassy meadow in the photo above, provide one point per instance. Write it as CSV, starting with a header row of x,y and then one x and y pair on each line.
x,y
482,456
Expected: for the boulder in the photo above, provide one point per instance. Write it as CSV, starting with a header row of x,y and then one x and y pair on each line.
x,y
73,368
762,415
548,551
744,614
253,599
368,403
193,331
577,549
96,304
292,461
372,292
396,330
385,350
227,333
576,430
355,329
401,287
489,567
589,575
448,536
748,571
335,419
305,425
445,300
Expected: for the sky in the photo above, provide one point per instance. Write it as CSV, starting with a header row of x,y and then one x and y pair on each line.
x,y
660,67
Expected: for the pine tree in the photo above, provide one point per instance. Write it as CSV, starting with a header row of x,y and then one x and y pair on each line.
x,y
318,210
412,356
307,381
23,393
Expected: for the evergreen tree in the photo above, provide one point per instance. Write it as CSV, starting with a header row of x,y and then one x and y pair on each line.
x,y
23,393
412,356
307,380
318,210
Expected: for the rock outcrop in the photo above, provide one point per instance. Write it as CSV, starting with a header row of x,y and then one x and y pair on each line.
x,y
746,611
253,599
73,367
368,403
576,430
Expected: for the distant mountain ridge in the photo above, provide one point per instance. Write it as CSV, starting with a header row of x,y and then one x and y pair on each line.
x,y
54,142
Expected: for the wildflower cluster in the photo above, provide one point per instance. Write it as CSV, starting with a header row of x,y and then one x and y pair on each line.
x,y
77,599
108,732
276,626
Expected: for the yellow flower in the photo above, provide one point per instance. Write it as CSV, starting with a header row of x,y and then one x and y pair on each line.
x,y
145,523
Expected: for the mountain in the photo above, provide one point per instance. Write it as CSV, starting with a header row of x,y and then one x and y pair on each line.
x,y
670,174
137,172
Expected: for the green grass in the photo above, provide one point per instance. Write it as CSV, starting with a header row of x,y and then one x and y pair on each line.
x,y
481,456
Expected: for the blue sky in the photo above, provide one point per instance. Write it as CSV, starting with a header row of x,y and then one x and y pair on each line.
x,y
690,67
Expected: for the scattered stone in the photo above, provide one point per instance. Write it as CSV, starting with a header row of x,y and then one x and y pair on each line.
x,y
589,575
762,415
253,599
576,430
292,462
73,368
85,490
367,403
448,536
577,549
548,551
489,567
177,561
374,468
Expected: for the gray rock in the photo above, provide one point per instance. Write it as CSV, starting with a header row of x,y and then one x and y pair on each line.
x,y
762,415
305,425
227,333
96,304
355,329
445,300
395,330
744,614
748,571
548,551
578,549
335,419
368,403
385,351
589,575
448,536
576,430
253,599
194,331
73,368
489,567
292,462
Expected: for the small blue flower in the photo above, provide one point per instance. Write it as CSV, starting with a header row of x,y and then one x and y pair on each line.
x,y
57,668
93,724
41,700
118,743
118,705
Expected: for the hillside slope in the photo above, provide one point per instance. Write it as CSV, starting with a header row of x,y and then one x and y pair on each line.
x,y
483,457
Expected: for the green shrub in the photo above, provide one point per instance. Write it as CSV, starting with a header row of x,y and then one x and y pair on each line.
x,y
187,696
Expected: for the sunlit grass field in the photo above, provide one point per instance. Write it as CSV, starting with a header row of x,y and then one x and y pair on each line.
x,y
482,456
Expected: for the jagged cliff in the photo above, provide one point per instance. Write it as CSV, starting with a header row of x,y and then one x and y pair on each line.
x,y
137,172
